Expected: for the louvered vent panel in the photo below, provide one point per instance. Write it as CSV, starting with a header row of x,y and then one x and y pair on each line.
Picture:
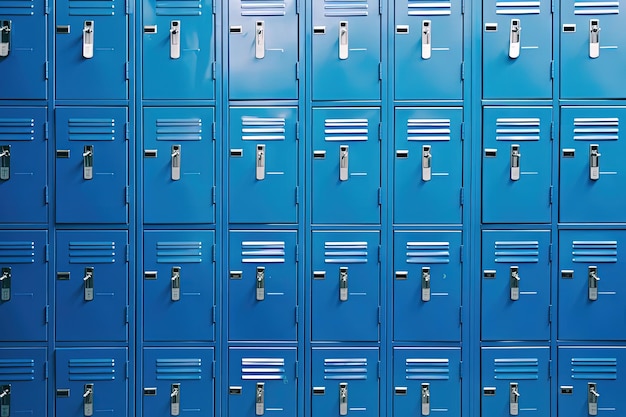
x,y
346,130
518,129
263,252
178,369
93,8
17,252
427,369
517,252
263,128
428,252
13,370
596,128
594,368
594,252
338,8
179,252
17,129
17,8
345,252
345,369
518,7
596,7
91,129
428,130
92,252
179,8
91,370
516,369
429,8
267,369
179,129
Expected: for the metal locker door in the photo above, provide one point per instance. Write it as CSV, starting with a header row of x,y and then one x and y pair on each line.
x,y
516,285
23,382
179,283
263,166
178,50
179,165
91,50
263,50
591,45
345,299
92,165
591,285
427,382
346,165
428,46
591,382
345,381
427,286
178,382
24,285
263,286
92,286
517,49
91,382
515,381
428,182
517,161
23,50
346,60
591,167
262,381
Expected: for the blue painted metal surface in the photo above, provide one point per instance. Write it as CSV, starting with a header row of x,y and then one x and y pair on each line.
x,y
23,381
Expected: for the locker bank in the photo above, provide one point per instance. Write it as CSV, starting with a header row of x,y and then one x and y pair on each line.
x,y
312,208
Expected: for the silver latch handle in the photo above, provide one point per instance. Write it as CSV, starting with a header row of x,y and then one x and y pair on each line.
x,y
175,296
343,399
594,162
259,42
88,39
593,283
425,399
88,162
5,162
343,283
175,39
426,163
515,162
88,283
5,37
260,283
426,39
343,163
514,283
260,399
343,40
176,160
260,162
514,399
594,38
592,398
514,39
175,400
426,284
88,400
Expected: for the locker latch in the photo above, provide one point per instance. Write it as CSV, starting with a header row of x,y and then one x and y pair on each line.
x,y
175,39
88,400
5,400
343,283
260,283
426,163
594,162
260,162
176,156
594,38
88,36
88,162
426,39
5,162
175,283
175,400
514,399
88,283
343,40
5,284
515,162
593,283
259,36
592,398
426,283
260,398
5,37
425,399
514,39
343,399
343,163
514,283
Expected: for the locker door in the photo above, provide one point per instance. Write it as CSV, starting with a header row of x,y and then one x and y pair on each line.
x,y
345,286
515,381
91,382
262,381
517,155
591,381
178,50
23,382
179,283
178,382
263,286
23,285
179,165
23,49
591,285
346,165
428,46
91,165
23,164
263,165
345,382
427,286
592,41
91,50
517,49
516,285
427,382
592,167
428,166
263,50
92,286
346,50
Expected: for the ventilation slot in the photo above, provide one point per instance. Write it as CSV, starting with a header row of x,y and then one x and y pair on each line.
x,y
92,252
92,370
17,129
428,130
345,369
429,8
346,130
92,7
594,252
179,8
596,7
17,252
17,370
345,252
428,253
17,8
428,369
518,7
517,129
263,252
596,129
179,252
263,128
268,369
517,252
91,129
179,129
516,369
178,369
337,8
263,8
594,368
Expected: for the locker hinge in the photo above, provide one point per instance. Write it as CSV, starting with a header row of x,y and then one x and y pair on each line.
x,y
378,370
550,368
213,195
298,130
297,70
461,253
46,7
380,132
297,253
126,314
297,195
462,196
551,193
380,196
127,194
127,369
462,71
127,126
295,364
213,253
462,131
213,130
47,254
463,7
380,8
297,6
214,314
127,66
213,369
552,130
380,254
461,314
214,7
127,253
296,312
46,197
46,67
46,131
127,2
550,254
214,69
551,6
46,373
461,370
380,71
550,313
46,314
552,69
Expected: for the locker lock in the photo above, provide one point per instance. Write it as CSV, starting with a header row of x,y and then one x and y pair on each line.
x,y
343,399
515,162
260,283
426,163
594,38
592,398
514,399
5,284
260,399
343,163
259,42
88,39
260,162
175,283
5,38
594,162
514,39
176,157
425,399
426,39
88,283
426,284
343,40
175,39
5,162
88,400
514,283
5,400
593,282
88,162
343,283
175,400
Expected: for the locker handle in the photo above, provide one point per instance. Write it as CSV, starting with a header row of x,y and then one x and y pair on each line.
x,y
5,162
259,36
260,162
491,153
592,398
175,400
319,274
343,399
514,283
176,157
343,163
175,282
402,275
63,153
150,392
594,162
238,153
319,390
63,393
594,38
88,162
88,400
5,284
319,30
426,39
88,284
514,398
88,39
236,274
236,29
343,283
343,40
425,399
260,283
593,280
515,162
150,153
402,29
63,276
5,400
63,29
401,390
426,163
175,39
235,390
5,38
151,29
260,399
514,39
402,154
319,154
425,283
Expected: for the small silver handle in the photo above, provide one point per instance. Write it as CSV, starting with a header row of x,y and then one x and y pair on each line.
x,y
343,283
260,283
425,399
426,163
175,39
343,163
594,162
88,283
514,399
594,38
593,280
260,162
514,283
515,162
259,36
5,162
175,280
5,284
88,162
343,399
5,38
426,39
88,400
260,399
514,39
5,400
592,398
426,284
88,39
176,160
343,40
175,400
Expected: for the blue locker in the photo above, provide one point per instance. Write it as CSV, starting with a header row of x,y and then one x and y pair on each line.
x,y
92,165
591,285
23,381
428,169
427,286
515,285
179,283
91,382
263,49
23,165
517,160
346,61
517,49
24,285
345,286
178,50
427,382
263,286
515,381
428,46
23,49
92,286
91,50
591,164
263,169
262,381
179,165
591,381
345,381
346,165
178,382
591,45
